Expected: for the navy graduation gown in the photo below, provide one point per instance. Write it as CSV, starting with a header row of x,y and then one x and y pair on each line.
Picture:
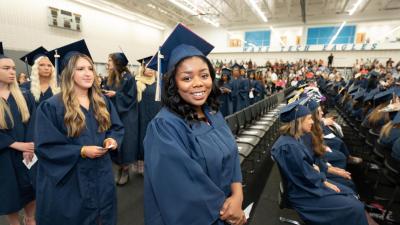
x,y
16,189
148,109
321,162
225,100
26,87
244,90
391,138
260,91
126,105
189,169
72,189
237,103
315,203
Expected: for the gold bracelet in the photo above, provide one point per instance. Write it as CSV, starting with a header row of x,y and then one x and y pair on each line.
x,y
83,152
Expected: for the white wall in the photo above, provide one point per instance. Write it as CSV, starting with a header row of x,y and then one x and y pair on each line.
x,y
341,59
374,31
24,27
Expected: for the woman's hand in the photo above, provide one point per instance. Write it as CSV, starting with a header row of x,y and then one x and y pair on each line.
x,y
331,186
110,143
110,93
28,156
232,211
340,172
92,151
23,146
328,121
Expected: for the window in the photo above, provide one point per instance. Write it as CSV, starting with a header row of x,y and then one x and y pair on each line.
x,y
257,38
323,35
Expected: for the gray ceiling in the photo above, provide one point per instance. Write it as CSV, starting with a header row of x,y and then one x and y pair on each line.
x,y
237,13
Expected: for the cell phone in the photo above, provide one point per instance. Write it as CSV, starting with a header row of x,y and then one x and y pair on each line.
x,y
106,149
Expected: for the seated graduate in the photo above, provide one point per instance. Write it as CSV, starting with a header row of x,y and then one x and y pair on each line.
x,y
225,99
74,132
391,131
148,107
121,89
191,158
317,200
43,75
377,118
16,110
330,162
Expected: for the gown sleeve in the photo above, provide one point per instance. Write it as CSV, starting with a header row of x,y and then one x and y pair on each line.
x,y
5,140
116,131
237,173
303,174
30,101
183,193
54,149
125,98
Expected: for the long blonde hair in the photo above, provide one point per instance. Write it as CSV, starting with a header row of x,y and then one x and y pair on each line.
x,y
74,118
377,115
293,128
385,131
35,80
21,103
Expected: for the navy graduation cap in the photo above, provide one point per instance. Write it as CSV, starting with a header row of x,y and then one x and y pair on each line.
x,y
180,44
370,95
359,96
396,119
294,110
353,89
2,51
235,66
312,105
1,48
226,71
144,61
383,96
65,53
121,58
397,91
33,55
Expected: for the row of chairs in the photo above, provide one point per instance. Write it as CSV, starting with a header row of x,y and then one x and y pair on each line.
x,y
372,151
255,129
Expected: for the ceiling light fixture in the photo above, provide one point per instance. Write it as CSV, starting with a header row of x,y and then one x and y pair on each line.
x,y
355,6
337,33
119,11
193,12
254,5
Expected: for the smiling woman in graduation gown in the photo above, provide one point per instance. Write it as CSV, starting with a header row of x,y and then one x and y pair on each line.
x,y
192,168
75,183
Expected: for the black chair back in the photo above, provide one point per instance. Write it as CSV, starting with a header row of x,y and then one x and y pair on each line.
x,y
232,121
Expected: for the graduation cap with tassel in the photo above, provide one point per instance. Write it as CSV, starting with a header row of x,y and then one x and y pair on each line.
x,y
30,58
181,43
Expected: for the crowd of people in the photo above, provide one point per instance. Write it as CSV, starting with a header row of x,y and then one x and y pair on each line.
x,y
61,131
